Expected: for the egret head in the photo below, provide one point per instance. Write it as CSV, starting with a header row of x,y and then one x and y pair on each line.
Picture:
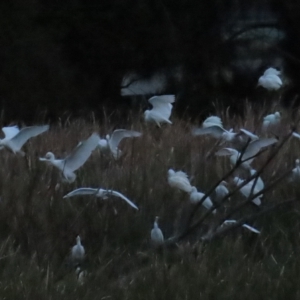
x,y
297,161
78,239
277,115
171,172
107,137
49,156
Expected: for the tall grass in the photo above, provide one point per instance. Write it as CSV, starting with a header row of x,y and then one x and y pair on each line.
x,y
38,227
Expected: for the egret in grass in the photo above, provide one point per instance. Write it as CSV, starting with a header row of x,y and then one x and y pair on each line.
x,y
110,143
247,188
295,176
221,191
75,159
157,237
77,252
196,197
271,120
179,180
15,139
252,229
252,149
161,109
101,193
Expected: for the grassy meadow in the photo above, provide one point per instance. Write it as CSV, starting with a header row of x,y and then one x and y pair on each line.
x,y
38,227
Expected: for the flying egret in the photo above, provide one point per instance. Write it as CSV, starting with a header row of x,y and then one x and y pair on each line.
x,y
161,111
270,82
77,252
213,126
110,143
157,237
252,149
221,191
15,138
196,197
101,193
252,229
75,159
271,120
246,189
179,180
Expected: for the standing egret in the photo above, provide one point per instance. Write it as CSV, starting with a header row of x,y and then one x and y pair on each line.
x,y
179,180
75,159
295,176
15,138
77,252
101,193
271,120
161,111
247,188
110,143
196,197
157,237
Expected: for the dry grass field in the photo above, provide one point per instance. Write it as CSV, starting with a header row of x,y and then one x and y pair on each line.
x,y
38,227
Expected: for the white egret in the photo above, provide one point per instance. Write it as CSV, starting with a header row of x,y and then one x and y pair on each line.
x,y
270,82
161,111
101,193
247,188
77,252
110,143
15,139
259,182
157,237
196,197
272,71
75,159
221,191
252,149
213,126
271,120
244,225
296,135
81,275
295,176
179,180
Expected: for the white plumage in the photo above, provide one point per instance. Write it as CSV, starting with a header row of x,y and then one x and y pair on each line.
x,y
157,237
179,180
75,159
270,80
161,111
271,120
77,251
110,143
15,138
196,197
101,193
221,191
252,149
246,190
252,229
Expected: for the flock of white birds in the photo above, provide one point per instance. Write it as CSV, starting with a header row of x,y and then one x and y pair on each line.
x,y
160,113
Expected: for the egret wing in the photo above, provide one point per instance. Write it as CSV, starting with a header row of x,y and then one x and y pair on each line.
x,y
120,134
117,194
249,134
211,121
226,152
162,105
215,131
10,131
271,71
81,191
26,133
81,153
255,146
251,228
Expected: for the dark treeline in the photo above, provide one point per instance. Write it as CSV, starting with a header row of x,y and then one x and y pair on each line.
x,y
69,57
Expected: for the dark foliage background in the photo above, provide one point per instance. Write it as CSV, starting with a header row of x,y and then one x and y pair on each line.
x,y
62,57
